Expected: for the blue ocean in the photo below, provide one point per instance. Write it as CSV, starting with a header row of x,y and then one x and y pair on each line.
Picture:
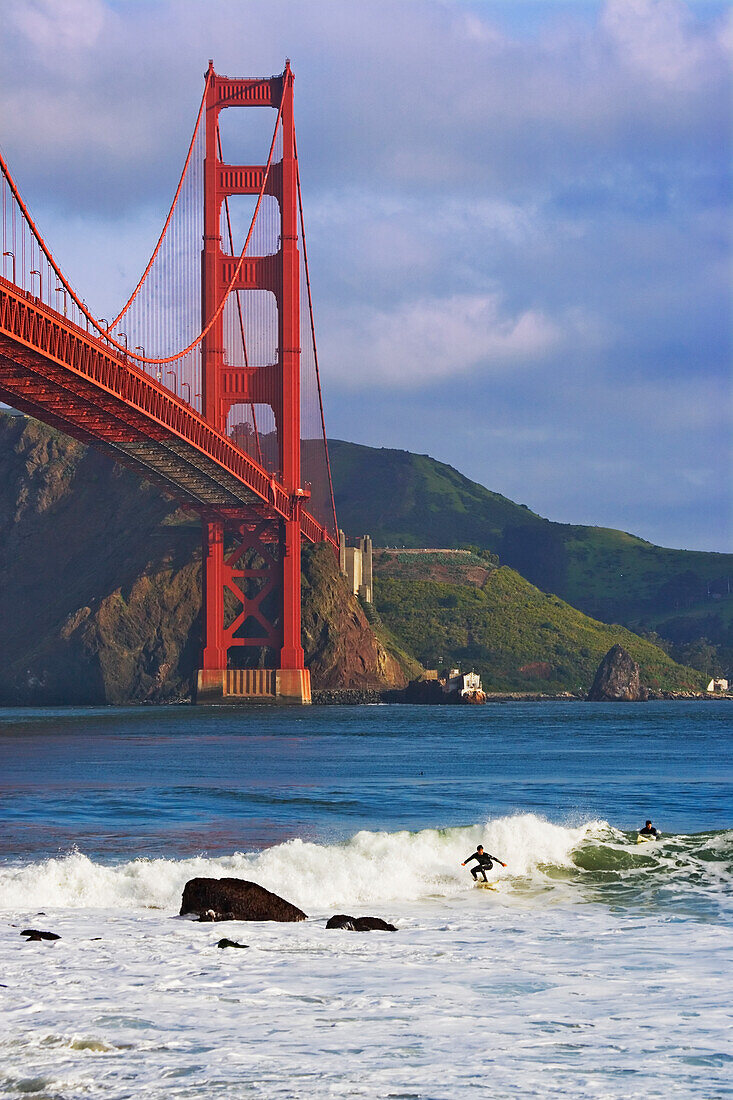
x,y
594,967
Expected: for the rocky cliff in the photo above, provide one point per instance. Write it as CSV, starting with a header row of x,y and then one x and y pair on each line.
x,y
100,586
343,649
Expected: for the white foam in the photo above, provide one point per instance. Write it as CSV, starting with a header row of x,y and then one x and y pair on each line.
x,y
471,997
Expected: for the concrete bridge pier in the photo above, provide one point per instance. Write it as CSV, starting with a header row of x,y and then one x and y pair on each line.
x,y
242,686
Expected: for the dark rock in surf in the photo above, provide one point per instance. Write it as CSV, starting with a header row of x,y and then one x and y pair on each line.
x,y
217,899
231,943
360,924
35,934
617,679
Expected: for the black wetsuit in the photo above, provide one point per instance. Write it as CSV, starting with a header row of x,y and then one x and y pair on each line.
x,y
485,863
648,830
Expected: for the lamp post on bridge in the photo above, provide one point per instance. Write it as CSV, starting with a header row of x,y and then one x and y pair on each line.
x,y
12,255
40,283
61,290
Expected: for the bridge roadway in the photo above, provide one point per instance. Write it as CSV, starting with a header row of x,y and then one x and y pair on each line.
x,y
59,373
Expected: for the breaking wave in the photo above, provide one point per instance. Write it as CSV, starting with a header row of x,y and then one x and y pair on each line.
x,y
380,868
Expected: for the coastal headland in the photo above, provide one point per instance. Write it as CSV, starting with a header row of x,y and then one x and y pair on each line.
x,y
101,580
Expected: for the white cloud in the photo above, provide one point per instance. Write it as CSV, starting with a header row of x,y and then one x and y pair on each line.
x,y
658,39
432,339
56,28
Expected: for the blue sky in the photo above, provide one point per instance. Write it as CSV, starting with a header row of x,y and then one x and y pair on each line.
x,y
518,214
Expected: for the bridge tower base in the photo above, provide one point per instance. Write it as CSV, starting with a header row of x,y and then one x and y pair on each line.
x,y
248,619
242,686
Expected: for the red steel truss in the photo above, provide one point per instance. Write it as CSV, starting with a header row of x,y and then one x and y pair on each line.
x,y
85,384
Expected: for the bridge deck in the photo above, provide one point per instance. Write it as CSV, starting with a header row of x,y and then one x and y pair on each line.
x,y
58,373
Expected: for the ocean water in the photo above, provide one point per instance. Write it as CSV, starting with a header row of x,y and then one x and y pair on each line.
x,y
596,967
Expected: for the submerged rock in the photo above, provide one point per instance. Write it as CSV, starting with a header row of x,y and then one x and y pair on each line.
x,y
231,943
216,899
617,679
360,924
35,934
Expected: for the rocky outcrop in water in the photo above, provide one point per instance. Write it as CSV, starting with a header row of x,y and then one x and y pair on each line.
x,y
617,679
235,899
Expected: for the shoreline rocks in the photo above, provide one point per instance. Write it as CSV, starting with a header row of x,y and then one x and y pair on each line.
x,y
347,697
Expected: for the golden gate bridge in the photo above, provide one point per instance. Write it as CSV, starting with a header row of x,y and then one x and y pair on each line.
x,y
206,382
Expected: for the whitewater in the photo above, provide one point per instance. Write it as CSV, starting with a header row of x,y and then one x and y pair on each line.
x,y
595,968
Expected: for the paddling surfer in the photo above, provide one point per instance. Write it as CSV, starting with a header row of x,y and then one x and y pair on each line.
x,y
485,862
649,830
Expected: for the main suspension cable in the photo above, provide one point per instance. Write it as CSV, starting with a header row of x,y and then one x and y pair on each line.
x,y
313,332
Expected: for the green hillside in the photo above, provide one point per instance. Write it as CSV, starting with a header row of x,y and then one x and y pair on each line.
x,y
517,637
404,499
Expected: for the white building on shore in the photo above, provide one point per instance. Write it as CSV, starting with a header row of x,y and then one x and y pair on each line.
x,y
356,565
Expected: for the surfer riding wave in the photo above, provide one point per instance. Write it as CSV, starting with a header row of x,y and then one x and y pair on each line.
x,y
485,863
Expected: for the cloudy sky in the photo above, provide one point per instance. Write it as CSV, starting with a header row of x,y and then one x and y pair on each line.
x,y
518,215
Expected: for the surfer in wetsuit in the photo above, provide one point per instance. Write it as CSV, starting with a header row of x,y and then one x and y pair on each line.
x,y
485,862
649,830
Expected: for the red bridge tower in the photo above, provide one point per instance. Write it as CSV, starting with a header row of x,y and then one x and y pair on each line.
x,y
251,555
